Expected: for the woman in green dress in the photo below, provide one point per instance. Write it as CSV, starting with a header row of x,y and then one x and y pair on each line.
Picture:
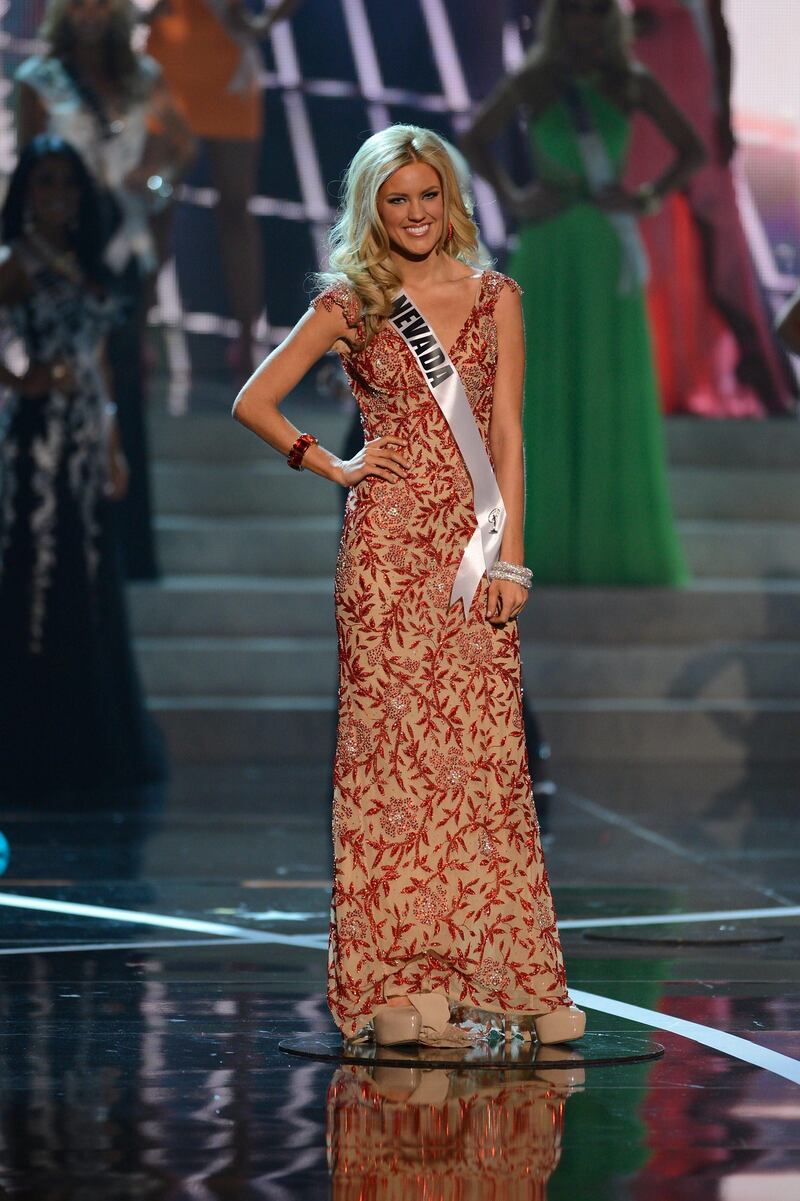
x,y
598,509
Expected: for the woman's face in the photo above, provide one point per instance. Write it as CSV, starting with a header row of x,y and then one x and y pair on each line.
x,y
584,23
411,206
89,19
54,195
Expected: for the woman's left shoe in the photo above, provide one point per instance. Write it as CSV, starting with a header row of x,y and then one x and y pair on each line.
x,y
561,1025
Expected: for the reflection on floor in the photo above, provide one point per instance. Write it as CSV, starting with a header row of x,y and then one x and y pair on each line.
x,y
141,1061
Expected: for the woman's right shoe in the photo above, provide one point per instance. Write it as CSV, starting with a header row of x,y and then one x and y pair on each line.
x,y
393,1025
425,1019
561,1025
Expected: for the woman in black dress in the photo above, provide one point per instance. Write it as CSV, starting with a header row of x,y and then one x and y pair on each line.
x,y
90,87
70,706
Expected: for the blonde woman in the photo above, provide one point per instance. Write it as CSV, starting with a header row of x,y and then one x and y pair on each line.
x,y
598,508
440,899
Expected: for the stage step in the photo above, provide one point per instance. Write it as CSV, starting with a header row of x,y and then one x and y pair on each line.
x,y
217,438
304,666
244,729
237,643
210,437
274,606
264,488
308,545
736,493
260,489
249,545
725,444
753,549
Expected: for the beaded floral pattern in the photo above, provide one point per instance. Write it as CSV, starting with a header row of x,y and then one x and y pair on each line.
x,y
436,844
462,1136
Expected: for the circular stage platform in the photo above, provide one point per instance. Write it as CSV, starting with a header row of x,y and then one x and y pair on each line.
x,y
593,1050
722,935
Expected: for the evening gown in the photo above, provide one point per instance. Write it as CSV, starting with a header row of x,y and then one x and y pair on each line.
x,y
71,711
212,72
597,502
439,880
111,149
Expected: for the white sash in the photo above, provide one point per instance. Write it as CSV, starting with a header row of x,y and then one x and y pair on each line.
x,y
483,548
601,174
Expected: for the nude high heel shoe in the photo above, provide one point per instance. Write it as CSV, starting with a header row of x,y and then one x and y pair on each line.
x,y
561,1025
393,1025
425,1020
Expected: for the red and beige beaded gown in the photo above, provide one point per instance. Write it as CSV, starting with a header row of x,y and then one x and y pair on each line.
x,y
439,880
457,1137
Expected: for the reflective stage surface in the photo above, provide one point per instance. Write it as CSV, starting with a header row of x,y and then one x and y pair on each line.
x,y
156,949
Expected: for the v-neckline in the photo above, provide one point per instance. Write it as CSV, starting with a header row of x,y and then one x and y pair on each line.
x,y
467,319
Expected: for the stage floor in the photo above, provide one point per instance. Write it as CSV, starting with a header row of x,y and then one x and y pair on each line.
x,y
156,948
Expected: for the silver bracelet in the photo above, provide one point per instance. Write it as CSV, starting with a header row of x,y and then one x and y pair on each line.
x,y
517,573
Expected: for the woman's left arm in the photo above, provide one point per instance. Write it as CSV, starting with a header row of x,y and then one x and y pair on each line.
x,y
507,599
646,94
690,153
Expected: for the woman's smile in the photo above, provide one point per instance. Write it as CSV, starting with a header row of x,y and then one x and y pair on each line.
x,y
411,207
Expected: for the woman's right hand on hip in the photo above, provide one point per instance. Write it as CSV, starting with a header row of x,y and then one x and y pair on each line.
x,y
378,457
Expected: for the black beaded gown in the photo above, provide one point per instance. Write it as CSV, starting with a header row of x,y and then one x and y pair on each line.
x,y
71,710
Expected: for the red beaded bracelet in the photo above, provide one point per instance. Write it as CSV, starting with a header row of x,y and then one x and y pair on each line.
x,y
295,456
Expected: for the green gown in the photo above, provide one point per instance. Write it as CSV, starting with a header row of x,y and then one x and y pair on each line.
x,y
597,503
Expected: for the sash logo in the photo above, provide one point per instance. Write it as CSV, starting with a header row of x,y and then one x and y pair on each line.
x,y
417,333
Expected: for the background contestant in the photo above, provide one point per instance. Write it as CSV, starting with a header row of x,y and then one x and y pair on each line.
x,y
71,711
598,510
91,88
209,53
714,348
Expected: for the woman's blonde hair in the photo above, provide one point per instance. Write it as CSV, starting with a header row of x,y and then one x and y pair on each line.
x,y
551,44
358,242
120,60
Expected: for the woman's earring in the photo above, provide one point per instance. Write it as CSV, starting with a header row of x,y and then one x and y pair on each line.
x,y
449,231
